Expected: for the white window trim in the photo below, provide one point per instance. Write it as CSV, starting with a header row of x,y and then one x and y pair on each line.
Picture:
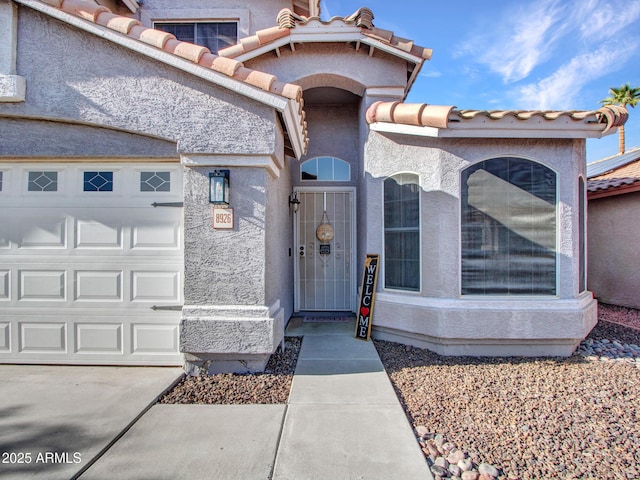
x,y
420,233
502,297
177,15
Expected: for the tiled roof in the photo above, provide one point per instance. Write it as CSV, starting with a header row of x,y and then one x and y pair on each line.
x,y
424,115
91,11
604,165
290,22
610,183
621,179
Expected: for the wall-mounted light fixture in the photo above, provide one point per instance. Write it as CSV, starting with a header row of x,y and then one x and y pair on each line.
x,y
219,187
294,201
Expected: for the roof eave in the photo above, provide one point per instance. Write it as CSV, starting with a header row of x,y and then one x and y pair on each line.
x,y
614,191
461,131
354,36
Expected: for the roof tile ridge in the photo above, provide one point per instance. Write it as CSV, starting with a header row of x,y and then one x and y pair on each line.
x,y
416,114
253,42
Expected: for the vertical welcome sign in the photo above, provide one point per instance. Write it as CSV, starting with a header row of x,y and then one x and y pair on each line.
x,y
367,296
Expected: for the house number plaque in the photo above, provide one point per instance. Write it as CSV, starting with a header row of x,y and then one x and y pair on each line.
x,y
222,218
367,297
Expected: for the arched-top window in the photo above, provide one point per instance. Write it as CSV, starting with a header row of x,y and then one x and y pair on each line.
x,y
325,169
508,228
402,232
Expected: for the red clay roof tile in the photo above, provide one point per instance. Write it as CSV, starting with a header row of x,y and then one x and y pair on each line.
x,y
440,116
289,20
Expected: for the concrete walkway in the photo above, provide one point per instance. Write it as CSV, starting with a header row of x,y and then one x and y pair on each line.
x,y
343,421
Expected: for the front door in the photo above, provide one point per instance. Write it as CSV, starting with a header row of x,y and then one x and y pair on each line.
x,y
325,279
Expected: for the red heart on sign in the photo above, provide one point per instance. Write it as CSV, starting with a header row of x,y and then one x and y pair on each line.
x,y
364,311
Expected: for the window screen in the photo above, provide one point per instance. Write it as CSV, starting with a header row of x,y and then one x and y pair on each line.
x,y
508,228
402,232
213,35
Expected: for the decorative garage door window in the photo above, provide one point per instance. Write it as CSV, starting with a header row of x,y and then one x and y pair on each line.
x,y
402,232
325,169
43,182
155,181
98,181
508,228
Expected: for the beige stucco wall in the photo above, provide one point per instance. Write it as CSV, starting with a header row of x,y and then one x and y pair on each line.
x,y
613,253
438,316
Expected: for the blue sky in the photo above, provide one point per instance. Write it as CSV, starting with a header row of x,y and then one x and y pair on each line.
x,y
525,54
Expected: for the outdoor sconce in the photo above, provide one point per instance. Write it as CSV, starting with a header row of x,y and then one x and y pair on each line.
x,y
219,187
294,201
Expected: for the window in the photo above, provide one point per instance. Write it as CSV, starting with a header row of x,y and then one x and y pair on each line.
x,y
213,35
402,232
325,169
582,201
98,181
0,181
155,181
43,182
508,228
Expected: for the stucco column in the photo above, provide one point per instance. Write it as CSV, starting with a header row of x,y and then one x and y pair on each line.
x,y
12,86
227,324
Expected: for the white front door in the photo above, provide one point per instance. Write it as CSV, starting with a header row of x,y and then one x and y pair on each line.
x,y
325,279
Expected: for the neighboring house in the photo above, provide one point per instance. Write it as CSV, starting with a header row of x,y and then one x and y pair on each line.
x,y
111,130
614,228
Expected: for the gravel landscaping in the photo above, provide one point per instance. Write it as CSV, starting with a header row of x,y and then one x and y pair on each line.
x,y
487,418
529,418
270,387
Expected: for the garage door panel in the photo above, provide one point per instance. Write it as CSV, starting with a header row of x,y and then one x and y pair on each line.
x,y
43,231
93,234
5,337
98,286
155,286
41,337
99,338
42,285
81,272
155,339
5,285
161,235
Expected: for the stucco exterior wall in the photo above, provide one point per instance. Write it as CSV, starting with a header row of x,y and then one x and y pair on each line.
x,y
333,132
57,139
75,77
614,257
438,316
335,65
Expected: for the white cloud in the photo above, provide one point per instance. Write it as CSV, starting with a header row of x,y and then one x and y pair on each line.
x,y
561,89
603,20
520,40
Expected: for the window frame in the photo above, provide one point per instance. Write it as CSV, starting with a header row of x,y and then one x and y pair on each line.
x,y
495,296
417,229
195,23
242,16
334,160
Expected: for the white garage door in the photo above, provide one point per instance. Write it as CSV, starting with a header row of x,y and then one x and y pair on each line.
x,y
90,271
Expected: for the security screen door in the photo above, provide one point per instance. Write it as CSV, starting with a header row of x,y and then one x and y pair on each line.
x,y
324,270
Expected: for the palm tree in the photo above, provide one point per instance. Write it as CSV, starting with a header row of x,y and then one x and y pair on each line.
x,y
624,96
